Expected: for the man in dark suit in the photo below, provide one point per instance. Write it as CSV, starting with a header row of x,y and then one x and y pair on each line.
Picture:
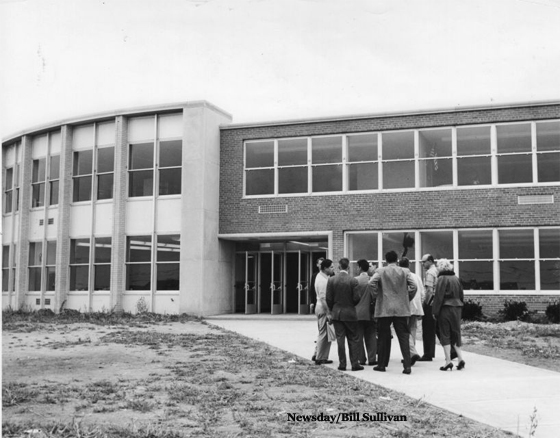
x,y
342,297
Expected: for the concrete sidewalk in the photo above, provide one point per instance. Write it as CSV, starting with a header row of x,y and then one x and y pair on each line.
x,y
500,393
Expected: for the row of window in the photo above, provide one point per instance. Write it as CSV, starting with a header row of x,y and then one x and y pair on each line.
x,y
463,156
90,264
491,259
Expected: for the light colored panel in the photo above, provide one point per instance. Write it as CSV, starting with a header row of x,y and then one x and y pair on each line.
x,y
171,126
52,229
36,231
77,302
167,303
169,215
56,143
80,220
106,133
7,228
39,146
82,137
130,301
100,302
139,217
103,219
5,301
9,156
141,128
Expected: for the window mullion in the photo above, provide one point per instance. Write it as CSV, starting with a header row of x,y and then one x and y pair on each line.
x,y
275,163
534,151
416,159
537,252
345,172
454,157
494,152
309,167
379,161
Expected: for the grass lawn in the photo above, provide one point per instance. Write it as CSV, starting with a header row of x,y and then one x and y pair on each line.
x,y
112,375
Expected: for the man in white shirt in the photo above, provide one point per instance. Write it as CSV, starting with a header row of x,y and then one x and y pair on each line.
x,y
416,311
322,312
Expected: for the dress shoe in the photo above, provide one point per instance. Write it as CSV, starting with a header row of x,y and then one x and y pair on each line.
x,y
425,359
341,368
461,365
362,362
314,358
379,368
414,358
449,366
357,368
372,363
324,361
406,371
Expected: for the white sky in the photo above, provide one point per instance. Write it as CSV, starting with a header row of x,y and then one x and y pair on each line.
x,y
273,59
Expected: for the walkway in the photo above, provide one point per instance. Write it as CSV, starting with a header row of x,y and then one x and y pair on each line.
x,y
500,393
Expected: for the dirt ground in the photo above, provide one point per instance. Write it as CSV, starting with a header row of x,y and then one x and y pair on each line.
x,y
189,379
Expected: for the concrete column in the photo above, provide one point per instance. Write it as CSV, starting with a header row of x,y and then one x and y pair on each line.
x,y
118,253
62,282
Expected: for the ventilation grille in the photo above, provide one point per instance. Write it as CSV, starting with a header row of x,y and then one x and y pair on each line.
x,y
535,199
266,209
38,301
51,221
47,301
41,222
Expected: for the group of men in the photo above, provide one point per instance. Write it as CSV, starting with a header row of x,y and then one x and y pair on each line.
x,y
363,308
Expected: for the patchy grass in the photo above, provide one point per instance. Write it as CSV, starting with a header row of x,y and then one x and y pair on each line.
x,y
191,379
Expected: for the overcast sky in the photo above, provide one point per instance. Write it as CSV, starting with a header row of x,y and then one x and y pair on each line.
x,y
266,60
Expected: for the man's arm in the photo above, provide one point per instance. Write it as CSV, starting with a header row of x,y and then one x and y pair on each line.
x,y
330,295
430,288
411,286
373,285
355,291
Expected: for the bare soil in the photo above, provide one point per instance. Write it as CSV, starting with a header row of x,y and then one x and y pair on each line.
x,y
186,378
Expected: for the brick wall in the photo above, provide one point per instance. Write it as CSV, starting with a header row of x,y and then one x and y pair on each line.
x,y
492,304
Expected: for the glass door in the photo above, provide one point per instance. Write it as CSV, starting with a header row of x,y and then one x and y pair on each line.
x,y
276,287
303,283
250,283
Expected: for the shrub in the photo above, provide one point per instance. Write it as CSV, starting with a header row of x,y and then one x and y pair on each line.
x,y
514,311
553,312
471,311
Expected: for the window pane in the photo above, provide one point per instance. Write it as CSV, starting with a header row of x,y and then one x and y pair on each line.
x,y
326,150
362,147
105,186
473,140
39,170
8,202
105,160
327,178
398,174
34,279
436,173
516,244
438,243
362,246
35,253
79,251
550,275
292,152
141,183
17,199
138,277
51,253
168,248
170,125
517,275
549,243
549,167
54,171
51,278
79,277
548,136
474,171
5,279
83,162
142,156
38,196
259,154
363,176
514,138
168,276
259,182
102,277
82,189
9,179
5,256
477,275
434,143
515,169
398,145
139,249
402,243
475,244
53,193
102,250
170,181
292,180
170,153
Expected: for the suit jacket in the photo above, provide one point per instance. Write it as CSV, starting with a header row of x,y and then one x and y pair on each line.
x,y
449,292
363,308
342,296
393,288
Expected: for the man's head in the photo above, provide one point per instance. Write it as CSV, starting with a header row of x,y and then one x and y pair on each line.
x,y
363,265
427,261
343,264
391,257
319,261
404,262
327,266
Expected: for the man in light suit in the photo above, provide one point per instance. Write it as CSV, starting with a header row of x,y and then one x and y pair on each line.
x,y
393,287
367,327
342,296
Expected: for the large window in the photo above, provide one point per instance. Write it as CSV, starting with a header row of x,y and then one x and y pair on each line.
x,y
155,155
464,156
511,259
168,257
50,266
38,183
10,177
83,171
102,264
5,267
35,266
79,264
138,262
8,190
45,171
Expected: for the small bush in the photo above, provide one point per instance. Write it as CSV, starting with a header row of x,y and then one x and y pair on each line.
x,y
471,311
553,312
514,311
537,318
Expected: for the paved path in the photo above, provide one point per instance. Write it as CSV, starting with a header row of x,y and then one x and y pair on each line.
x,y
500,393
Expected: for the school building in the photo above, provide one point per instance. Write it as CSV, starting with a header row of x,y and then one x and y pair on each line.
x,y
176,207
